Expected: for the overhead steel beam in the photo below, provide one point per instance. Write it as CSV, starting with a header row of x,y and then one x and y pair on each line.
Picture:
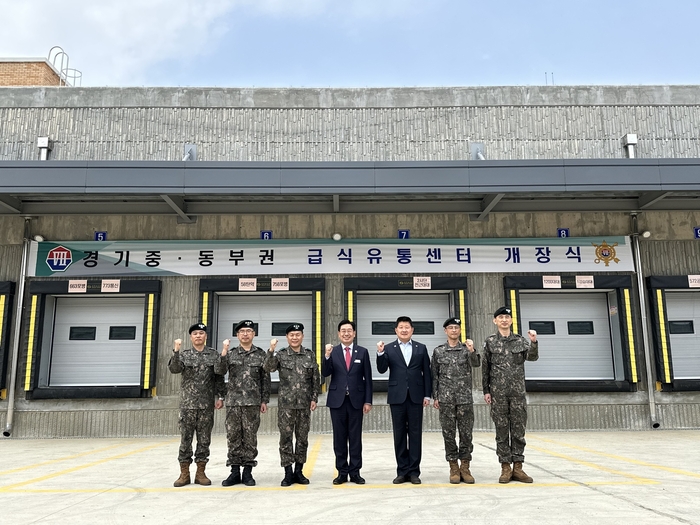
x,y
488,203
157,205
11,204
651,197
178,205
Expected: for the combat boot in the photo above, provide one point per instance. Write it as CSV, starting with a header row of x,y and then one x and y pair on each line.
x,y
519,473
200,478
247,477
184,478
506,473
454,472
299,475
288,476
464,472
234,478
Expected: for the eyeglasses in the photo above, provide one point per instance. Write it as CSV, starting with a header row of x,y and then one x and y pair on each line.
x,y
246,331
347,331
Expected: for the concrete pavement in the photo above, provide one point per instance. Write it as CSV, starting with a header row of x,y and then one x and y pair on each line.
x,y
580,477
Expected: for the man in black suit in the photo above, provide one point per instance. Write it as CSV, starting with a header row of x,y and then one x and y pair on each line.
x,y
349,398
410,388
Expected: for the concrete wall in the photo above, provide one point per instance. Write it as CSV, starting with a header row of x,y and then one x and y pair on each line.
x,y
670,252
350,124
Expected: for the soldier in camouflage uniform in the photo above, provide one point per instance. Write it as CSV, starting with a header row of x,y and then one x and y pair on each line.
x,y
451,367
503,375
200,384
247,398
300,384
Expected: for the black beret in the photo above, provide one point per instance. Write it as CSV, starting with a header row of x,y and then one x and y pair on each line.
x,y
452,320
198,326
502,310
244,324
296,327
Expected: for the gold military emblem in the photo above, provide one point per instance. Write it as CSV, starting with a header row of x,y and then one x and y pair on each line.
x,y
606,253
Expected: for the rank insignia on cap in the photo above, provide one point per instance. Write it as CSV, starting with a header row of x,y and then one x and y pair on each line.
x,y
502,311
245,324
295,327
452,320
198,326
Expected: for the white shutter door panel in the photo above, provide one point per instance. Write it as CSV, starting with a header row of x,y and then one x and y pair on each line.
x,y
265,310
564,356
431,308
98,362
685,348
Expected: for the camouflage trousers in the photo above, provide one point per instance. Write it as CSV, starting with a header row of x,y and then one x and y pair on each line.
x,y
200,420
242,423
293,422
455,418
509,414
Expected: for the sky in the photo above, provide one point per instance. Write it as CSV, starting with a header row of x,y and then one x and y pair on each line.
x,y
360,43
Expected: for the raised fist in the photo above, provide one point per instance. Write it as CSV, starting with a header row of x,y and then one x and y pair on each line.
x,y
273,344
177,344
380,346
329,349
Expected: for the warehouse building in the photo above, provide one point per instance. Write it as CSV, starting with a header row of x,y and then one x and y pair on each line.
x,y
129,213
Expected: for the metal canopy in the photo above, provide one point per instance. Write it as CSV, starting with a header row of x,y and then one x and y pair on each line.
x,y
187,189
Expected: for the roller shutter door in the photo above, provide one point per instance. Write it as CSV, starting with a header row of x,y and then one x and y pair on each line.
x,y
272,313
683,309
377,313
574,335
97,341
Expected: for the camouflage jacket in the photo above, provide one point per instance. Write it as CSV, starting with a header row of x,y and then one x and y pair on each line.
x,y
503,370
248,383
300,380
200,383
452,373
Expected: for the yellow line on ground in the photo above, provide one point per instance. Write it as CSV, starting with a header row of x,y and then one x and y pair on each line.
x,y
589,464
313,456
66,458
187,488
344,486
81,467
311,462
621,458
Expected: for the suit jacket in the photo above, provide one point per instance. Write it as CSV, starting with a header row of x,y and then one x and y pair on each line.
x,y
413,379
357,381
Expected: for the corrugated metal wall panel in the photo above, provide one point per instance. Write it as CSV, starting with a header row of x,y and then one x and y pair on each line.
x,y
679,415
349,134
669,257
145,423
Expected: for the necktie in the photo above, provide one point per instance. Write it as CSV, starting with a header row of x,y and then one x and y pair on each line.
x,y
347,357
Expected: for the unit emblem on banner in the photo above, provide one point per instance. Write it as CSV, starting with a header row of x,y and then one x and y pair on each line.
x,y
606,253
59,259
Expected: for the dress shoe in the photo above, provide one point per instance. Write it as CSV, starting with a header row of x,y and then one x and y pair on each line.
x,y
342,478
356,478
399,479
415,480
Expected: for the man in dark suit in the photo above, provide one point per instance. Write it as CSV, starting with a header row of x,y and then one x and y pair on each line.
x,y
410,388
349,398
